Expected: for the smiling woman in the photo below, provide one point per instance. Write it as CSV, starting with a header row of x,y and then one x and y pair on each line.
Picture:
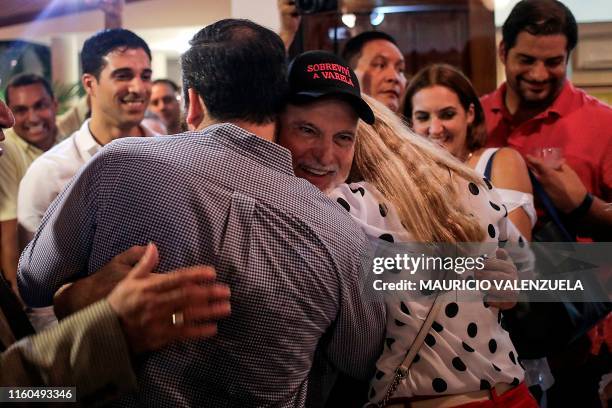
x,y
441,104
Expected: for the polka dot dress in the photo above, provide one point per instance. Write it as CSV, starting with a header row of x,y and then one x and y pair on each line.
x,y
466,348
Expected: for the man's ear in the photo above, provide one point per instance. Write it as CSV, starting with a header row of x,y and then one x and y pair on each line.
x,y
88,81
55,105
501,53
196,110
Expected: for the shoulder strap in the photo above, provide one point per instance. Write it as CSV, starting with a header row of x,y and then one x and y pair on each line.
x,y
543,197
487,172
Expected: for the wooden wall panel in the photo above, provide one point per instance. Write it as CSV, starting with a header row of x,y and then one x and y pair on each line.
x,y
457,32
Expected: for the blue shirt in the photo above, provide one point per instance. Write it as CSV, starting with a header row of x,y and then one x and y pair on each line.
x,y
228,198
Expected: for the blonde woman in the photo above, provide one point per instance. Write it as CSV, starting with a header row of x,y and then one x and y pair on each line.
x,y
410,190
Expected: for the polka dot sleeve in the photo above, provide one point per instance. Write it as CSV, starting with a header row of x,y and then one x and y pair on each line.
x,y
369,209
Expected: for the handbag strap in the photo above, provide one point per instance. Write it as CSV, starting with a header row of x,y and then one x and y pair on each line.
x,y
544,198
402,370
549,207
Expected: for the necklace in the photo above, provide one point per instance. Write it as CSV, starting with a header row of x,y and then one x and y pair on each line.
x,y
469,156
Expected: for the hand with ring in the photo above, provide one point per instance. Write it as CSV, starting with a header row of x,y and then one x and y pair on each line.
x,y
178,319
157,309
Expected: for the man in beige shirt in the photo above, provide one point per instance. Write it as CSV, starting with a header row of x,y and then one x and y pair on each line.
x,y
30,98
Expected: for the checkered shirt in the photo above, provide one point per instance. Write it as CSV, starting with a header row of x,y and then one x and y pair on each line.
x,y
228,198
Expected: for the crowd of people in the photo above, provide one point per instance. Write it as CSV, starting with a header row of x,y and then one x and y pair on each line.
x,y
278,180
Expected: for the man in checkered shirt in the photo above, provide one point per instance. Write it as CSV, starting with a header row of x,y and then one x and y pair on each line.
x,y
224,195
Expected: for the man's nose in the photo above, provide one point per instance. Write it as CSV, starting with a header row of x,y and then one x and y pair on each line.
x,y
32,115
539,72
138,85
393,75
324,153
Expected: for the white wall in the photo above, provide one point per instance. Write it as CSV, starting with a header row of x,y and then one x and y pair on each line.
x,y
261,11
585,11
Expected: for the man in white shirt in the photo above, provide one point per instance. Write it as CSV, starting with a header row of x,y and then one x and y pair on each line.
x,y
116,67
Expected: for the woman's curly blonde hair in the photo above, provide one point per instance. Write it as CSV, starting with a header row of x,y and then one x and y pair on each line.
x,y
416,176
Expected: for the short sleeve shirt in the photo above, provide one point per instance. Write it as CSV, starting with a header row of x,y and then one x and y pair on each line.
x,y
576,122
16,158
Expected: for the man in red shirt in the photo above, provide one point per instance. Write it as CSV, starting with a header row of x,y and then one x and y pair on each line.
x,y
537,107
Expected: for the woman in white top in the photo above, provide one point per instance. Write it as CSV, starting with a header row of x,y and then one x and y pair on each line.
x,y
412,191
441,104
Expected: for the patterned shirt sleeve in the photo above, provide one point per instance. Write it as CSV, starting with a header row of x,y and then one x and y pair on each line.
x,y
47,262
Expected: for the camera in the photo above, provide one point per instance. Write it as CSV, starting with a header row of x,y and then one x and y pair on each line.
x,y
316,6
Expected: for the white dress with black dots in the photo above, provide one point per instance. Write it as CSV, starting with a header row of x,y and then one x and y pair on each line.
x,y
466,349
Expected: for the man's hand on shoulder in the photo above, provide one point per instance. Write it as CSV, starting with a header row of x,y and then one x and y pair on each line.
x,y
157,309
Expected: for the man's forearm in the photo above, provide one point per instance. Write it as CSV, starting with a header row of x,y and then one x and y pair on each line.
x,y
599,218
76,296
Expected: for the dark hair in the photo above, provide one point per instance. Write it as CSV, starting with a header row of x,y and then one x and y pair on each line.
x,y
239,69
540,17
453,79
168,82
352,48
25,80
102,43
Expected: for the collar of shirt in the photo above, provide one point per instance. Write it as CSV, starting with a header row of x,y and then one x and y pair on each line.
x,y
87,145
266,153
560,106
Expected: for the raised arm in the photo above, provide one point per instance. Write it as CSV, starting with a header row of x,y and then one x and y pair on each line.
x,y
289,21
571,197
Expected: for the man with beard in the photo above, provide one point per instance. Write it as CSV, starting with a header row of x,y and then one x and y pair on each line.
x,y
116,67
538,107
